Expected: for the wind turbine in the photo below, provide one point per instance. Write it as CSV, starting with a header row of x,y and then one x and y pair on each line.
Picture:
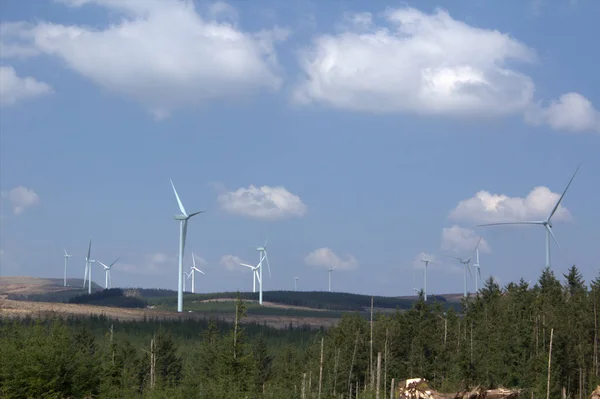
x,y
427,262
107,280
88,269
547,223
255,275
262,253
467,265
183,221
295,283
331,269
185,277
192,272
66,256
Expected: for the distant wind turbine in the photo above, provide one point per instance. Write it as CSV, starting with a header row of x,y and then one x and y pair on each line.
x,y
427,262
477,268
185,277
547,223
66,256
467,265
183,221
295,283
107,280
88,269
257,270
330,270
192,272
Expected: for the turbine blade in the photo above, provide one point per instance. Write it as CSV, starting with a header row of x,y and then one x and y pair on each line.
x,y
268,266
470,272
563,194
111,265
201,271
506,223
477,245
181,208
66,254
195,213
555,240
244,264
193,260
89,249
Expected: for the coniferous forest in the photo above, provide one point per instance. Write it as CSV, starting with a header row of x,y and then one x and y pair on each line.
x,y
501,337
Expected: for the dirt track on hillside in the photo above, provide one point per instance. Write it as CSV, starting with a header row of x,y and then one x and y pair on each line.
x,y
11,309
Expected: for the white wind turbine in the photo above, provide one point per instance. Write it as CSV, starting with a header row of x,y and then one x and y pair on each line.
x,y
192,272
107,280
546,223
66,256
185,277
427,262
295,283
258,275
467,265
330,270
477,268
183,219
88,269
255,275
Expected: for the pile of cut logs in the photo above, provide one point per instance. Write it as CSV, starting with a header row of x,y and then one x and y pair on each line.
x,y
417,388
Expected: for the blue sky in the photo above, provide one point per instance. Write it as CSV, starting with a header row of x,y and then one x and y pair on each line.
x,y
348,134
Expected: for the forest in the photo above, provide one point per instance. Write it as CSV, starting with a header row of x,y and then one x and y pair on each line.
x,y
501,337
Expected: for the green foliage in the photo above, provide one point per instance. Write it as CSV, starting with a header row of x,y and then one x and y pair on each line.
x,y
110,297
500,338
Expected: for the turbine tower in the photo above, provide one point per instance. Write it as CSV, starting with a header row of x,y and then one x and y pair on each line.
x,y
331,269
88,269
107,280
477,268
427,262
66,256
295,283
192,272
546,223
183,221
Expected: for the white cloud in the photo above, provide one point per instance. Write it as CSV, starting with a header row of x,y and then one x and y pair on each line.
x,y
572,112
485,207
325,257
20,198
14,88
232,263
161,53
462,241
416,62
267,203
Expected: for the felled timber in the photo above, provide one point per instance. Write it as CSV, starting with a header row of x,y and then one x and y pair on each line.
x,y
418,388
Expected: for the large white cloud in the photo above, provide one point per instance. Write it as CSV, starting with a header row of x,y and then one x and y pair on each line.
x,y
267,203
485,207
14,88
462,241
162,53
20,198
416,62
326,258
572,112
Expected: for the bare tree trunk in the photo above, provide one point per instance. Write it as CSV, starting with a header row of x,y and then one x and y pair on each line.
x,y
595,337
352,363
378,375
392,388
335,366
385,351
309,382
304,386
321,369
371,352
235,331
549,364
